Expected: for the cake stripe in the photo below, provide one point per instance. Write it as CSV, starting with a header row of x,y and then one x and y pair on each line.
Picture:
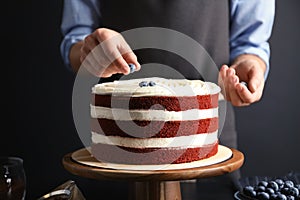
x,y
151,115
171,103
163,87
181,141
122,155
154,129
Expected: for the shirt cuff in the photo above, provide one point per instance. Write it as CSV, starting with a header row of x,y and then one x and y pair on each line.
x,y
263,53
66,45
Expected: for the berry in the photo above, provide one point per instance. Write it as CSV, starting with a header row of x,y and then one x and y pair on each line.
x,y
249,191
290,197
143,84
279,182
263,196
288,183
131,67
276,189
263,183
259,188
285,190
293,191
152,83
273,185
273,196
270,190
281,197
252,194
244,83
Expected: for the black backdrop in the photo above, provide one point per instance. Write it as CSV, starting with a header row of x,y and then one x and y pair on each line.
x,y
268,131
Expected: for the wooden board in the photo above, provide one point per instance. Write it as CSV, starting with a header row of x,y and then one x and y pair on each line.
x,y
83,156
100,173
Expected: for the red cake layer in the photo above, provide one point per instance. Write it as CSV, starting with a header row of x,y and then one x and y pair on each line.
x,y
151,156
169,103
154,129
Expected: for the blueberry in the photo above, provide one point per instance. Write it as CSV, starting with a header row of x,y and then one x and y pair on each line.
x,y
131,67
259,188
279,182
263,196
151,83
285,190
249,191
273,185
289,183
252,194
244,83
290,197
270,190
143,84
281,197
263,183
273,196
293,191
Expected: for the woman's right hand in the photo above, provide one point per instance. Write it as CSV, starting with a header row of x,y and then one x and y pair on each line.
x,y
105,52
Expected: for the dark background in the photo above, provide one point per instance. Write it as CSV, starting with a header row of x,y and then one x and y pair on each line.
x,y
269,133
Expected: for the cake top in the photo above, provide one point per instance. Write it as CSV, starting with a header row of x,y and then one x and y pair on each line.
x,y
156,86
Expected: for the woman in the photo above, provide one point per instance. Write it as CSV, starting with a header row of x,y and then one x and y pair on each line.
x,y
235,34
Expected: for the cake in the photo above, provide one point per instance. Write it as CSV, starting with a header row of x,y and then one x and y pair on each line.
x,y
154,121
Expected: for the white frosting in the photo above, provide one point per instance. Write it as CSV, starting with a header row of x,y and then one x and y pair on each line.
x,y
163,87
83,156
153,115
197,140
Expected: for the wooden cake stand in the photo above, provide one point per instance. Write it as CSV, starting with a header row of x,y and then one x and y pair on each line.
x,y
153,184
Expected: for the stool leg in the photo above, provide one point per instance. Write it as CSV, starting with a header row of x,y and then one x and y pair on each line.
x,y
155,190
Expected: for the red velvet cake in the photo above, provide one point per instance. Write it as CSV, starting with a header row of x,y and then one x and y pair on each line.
x,y
154,121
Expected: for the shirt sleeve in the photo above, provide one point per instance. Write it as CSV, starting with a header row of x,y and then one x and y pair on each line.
x,y
79,19
251,28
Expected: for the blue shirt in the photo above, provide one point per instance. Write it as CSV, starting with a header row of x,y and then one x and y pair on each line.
x,y
251,26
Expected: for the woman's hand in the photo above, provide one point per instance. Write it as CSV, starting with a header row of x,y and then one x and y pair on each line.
x,y
105,52
247,69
